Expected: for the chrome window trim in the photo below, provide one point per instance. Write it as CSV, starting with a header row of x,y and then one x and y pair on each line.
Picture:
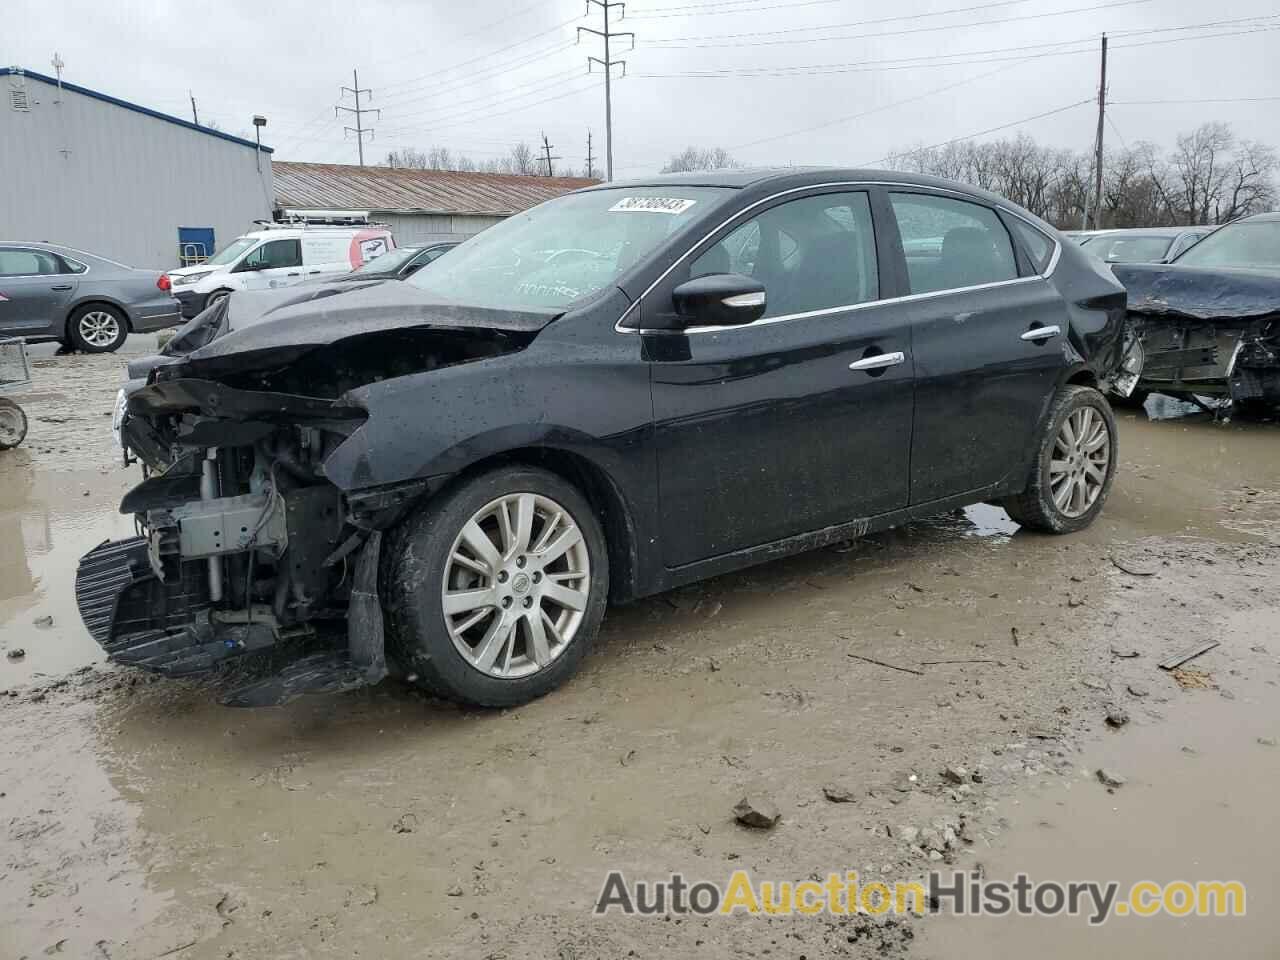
x,y
1048,272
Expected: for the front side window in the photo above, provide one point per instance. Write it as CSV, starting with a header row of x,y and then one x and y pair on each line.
x,y
230,253
566,249
815,253
274,254
27,263
951,243
1247,243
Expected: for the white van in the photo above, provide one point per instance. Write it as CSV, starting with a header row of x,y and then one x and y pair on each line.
x,y
279,255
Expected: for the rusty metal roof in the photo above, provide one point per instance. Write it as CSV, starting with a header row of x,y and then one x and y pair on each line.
x,y
337,186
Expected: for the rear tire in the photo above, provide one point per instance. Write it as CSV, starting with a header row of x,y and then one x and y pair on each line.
x,y
521,621
13,424
97,328
1072,476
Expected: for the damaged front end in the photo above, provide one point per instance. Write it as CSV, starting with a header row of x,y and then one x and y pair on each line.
x,y
1210,332
245,545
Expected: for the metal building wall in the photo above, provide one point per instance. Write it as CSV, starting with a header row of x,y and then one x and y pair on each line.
x,y
119,183
414,228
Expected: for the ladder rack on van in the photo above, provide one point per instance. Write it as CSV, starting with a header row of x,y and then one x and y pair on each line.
x,y
292,219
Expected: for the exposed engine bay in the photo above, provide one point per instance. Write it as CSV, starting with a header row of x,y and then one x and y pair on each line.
x,y
244,544
1205,332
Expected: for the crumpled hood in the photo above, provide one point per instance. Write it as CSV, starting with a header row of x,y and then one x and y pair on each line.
x,y
1199,292
277,326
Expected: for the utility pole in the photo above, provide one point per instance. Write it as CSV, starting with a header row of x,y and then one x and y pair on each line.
x,y
591,167
1102,113
58,63
359,129
195,117
546,150
607,63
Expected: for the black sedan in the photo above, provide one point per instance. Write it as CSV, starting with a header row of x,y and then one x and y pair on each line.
x,y
620,391
398,264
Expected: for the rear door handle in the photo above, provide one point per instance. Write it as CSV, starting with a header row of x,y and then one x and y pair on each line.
x,y
61,286
879,361
1041,333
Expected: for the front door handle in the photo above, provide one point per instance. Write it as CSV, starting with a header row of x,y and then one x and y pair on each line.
x,y
294,274
1041,333
61,286
879,361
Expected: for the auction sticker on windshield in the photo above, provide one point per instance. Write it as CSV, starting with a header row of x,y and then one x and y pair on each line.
x,y
674,205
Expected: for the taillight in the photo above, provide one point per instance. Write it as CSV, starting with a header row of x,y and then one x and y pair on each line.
x,y
163,283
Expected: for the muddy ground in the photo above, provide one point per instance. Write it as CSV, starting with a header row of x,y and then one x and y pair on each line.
x,y
140,819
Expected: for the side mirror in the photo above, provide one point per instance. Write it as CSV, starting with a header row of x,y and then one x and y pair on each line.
x,y
719,300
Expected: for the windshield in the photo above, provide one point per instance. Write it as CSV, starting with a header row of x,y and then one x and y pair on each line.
x,y
1128,249
387,263
1249,243
565,249
231,252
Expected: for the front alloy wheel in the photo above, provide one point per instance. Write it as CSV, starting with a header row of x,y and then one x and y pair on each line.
x,y
515,588
495,589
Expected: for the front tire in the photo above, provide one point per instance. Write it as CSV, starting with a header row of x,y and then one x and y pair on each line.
x,y
13,424
1074,466
495,591
97,328
215,296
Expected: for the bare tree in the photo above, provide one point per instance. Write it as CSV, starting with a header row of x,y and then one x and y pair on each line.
x,y
1209,177
693,158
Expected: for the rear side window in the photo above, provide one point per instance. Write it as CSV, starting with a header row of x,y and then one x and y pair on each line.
x,y
951,243
27,263
811,254
1038,247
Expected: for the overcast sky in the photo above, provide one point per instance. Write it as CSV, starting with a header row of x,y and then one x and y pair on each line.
x,y
774,81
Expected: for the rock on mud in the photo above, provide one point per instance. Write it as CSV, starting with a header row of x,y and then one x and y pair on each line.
x,y
757,812
838,794
1109,778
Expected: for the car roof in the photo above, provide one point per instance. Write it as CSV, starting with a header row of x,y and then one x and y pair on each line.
x,y
61,248
782,178
1263,217
1123,232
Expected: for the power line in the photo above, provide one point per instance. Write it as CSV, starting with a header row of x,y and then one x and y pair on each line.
x,y
485,56
486,73
687,43
983,133
859,23
880,109
890,63
359,129
1143,103
607,64
693,9
915,63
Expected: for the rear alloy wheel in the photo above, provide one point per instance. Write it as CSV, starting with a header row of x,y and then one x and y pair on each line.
x,y
1074,467
95,328
499,588
13,424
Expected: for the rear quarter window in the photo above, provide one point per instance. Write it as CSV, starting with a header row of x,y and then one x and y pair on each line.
x,y
1035,244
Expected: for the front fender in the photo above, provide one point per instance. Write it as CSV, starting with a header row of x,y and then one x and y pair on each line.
x,y
440,422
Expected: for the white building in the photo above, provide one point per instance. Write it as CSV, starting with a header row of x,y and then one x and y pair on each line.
x,y
118,179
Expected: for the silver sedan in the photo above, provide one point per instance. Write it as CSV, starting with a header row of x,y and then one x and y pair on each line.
x,y
89,303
